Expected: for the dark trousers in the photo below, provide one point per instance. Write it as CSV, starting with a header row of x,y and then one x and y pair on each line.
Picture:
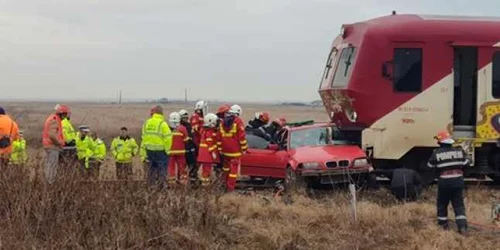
x,y
451,190
192,164
220,165
408,193
157,173
123,170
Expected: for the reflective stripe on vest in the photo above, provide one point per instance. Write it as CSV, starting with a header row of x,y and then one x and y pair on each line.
x,y
231,132
157,133
231,154
174,152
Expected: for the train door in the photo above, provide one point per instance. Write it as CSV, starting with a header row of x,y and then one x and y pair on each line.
x,y
465,89
465,66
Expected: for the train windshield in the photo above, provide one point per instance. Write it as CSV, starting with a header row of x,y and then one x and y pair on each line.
x,y
344,68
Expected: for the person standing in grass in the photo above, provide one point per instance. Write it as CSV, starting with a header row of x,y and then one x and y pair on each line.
x,y
98,156
157,141
84,150
449,162
124,148
177,173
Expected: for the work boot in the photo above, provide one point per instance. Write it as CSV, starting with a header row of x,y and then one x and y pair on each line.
x,y
444,225
462,226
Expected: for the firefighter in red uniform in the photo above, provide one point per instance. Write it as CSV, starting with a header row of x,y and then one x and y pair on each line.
x,y
221,113
232,144
208,154
260,120
236,111
178,150
196,121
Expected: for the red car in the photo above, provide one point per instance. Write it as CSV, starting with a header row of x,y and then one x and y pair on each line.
x,y
308,153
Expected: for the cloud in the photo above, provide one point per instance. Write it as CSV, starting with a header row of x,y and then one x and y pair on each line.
x,y
226,49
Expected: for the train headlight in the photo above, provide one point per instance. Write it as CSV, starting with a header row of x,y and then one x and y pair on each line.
x,y
351,115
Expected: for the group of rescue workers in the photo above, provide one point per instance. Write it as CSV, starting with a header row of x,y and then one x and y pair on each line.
x,y
171,149
215,142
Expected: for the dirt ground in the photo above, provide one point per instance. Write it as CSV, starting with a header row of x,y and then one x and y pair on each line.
x,y
112,215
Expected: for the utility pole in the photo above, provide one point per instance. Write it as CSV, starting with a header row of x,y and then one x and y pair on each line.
x,y
186,95
120,98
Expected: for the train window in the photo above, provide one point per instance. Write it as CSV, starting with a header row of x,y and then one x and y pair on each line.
x,y
330,63
407,71
344,67
495,84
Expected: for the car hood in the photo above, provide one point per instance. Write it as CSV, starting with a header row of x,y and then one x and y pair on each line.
x,y
326,153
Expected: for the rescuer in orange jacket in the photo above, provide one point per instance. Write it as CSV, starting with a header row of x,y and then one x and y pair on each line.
x,y
177,152
208,154
53,140
232,144
9,132
196,120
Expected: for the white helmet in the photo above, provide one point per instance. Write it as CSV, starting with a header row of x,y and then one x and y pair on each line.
x,y
235,110
174,119
257,115
200,105
210,120
183,113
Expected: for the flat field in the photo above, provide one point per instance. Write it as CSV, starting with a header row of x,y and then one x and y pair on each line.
x,y
116,215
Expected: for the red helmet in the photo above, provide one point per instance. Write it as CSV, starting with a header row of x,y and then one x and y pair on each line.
x,y
61,109
224,108
444,137
156,109
264,116
280,121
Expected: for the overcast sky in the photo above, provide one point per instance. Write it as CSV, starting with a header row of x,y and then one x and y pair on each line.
x,y
219,49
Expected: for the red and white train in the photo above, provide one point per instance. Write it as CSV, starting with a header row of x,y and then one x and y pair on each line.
x,y
394,82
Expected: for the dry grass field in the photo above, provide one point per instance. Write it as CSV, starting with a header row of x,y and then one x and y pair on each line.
x,y
116,215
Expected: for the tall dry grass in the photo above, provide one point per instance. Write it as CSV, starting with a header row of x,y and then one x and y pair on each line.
x,y
72,214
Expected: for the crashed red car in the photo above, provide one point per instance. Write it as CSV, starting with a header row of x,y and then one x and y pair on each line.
x,y
316,153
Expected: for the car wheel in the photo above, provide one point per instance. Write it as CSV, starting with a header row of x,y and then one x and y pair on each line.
x,y
293,181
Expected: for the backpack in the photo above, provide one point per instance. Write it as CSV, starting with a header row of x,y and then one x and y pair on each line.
x,y
5,139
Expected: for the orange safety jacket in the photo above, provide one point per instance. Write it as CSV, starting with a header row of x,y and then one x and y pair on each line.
x,y
10,129
179,139
208,146
232,140
49,123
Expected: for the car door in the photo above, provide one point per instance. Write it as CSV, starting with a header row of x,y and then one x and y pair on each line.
x,y
262,161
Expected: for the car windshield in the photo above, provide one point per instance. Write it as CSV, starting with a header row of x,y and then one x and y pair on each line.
x,y
318,136
310,137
